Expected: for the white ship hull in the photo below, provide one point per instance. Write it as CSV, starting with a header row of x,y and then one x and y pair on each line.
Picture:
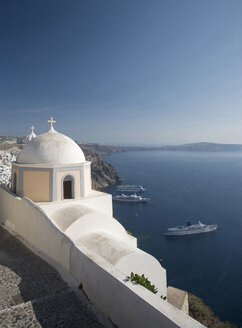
x,y
190,231
130,191
130,188
130,198
143,200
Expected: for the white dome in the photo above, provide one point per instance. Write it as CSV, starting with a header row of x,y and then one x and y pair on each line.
x,y
28,138
51,147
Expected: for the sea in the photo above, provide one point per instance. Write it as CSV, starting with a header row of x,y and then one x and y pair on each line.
x,y
189,186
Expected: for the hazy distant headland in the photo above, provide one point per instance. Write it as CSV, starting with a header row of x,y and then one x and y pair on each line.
x,y
204,146
198,146
9,142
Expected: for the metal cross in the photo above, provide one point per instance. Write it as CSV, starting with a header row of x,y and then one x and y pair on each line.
x,y
51,121
32,128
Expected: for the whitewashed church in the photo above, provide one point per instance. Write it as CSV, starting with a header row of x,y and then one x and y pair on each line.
x,y
54,210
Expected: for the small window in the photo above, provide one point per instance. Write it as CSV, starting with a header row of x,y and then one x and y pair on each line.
x,y
68,187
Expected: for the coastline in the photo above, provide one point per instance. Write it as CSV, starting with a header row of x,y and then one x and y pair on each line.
x,y
204,314
198,310
105,174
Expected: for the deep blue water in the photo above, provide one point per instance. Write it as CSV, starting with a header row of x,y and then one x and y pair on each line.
x,y
189,186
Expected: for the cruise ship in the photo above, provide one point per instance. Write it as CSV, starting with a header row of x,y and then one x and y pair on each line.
x,y
130,188
130,198
190,229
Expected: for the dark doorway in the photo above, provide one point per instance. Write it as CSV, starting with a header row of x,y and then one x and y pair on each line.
x,y
14,183
68,187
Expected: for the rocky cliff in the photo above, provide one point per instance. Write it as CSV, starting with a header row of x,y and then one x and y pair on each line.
x,y
103,173
202,313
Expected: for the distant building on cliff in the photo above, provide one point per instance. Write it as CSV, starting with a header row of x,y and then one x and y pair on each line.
x,y
53,207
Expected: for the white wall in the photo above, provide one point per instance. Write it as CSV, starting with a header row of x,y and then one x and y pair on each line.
x,y
30,222
97,200
126,304
97,221
143,263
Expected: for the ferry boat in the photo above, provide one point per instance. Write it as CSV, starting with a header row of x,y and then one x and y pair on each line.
x,y
130,198
190,229
130,188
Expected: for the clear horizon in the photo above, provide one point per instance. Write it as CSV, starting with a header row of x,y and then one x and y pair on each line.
x,y
123,72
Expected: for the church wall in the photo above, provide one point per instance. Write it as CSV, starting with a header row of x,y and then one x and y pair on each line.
x,y
143,263
128,305
104,285
36,185
97,221
97,200
87,180
122,254
30,222
102,202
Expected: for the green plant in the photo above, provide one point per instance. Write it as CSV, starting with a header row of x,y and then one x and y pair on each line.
x,y
143,281
6,186
163,297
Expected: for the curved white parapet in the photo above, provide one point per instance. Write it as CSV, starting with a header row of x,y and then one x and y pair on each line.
x,y
96,200
126,304
125,258
143,263
94,221
66,216
30,222
106,245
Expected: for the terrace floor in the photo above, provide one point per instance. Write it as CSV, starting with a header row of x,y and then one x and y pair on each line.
x,y
33,295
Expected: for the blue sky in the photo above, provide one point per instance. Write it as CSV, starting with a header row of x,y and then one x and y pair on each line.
x,y
123,71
